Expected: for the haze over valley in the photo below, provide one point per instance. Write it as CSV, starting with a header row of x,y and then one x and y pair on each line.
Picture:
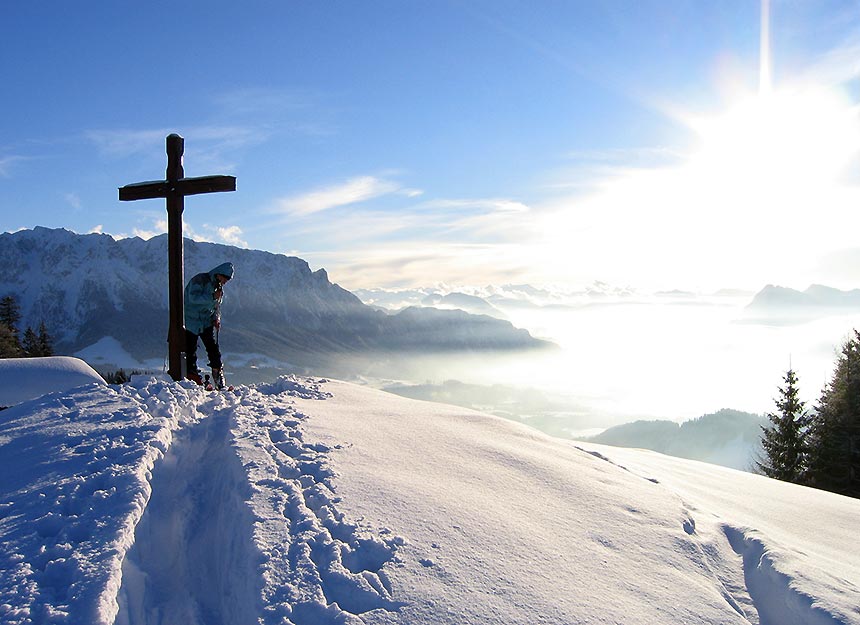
x,y
671,354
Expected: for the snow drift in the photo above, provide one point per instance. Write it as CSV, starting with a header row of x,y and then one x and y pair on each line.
x,y
319,502
27,378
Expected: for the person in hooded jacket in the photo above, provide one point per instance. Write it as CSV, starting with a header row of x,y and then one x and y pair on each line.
x,y
203,295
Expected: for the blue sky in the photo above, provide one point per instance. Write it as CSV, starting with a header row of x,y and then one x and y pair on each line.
x,y
400,143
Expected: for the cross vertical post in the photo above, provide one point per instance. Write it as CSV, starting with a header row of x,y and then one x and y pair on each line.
x,y
174,188
175,256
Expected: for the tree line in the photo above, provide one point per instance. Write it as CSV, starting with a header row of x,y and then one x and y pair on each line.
x,y
818,447
13,344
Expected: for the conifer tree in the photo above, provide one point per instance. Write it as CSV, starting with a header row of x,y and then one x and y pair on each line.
x,y
10,346
38,344
10,315
784,441
834,459
30,343
45,341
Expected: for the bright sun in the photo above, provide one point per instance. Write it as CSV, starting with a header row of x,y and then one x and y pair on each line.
x,y
763,195
804,135
779,140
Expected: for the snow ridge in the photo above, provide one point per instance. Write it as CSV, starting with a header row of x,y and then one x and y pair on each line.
x,y
776,600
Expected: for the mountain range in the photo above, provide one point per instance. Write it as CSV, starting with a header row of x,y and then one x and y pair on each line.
x,y
89,287
781,304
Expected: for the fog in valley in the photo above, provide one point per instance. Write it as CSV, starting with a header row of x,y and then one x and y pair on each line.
x,y
625,357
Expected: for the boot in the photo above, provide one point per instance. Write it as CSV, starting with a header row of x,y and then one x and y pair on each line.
x,y
194,376
218,380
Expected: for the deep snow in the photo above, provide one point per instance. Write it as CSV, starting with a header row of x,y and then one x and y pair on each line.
x,y
309,501
27,378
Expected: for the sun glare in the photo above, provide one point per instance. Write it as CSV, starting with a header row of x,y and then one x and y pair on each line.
x,y
777,140
768,176
765,195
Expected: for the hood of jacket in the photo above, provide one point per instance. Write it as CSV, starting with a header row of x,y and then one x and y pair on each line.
x,y
224,269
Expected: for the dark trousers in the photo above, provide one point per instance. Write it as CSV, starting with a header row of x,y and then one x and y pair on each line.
x,y
212,350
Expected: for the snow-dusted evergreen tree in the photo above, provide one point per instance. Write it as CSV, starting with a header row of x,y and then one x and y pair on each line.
x,y
834,458
784,441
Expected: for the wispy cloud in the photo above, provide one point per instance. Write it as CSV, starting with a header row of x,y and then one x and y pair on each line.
x,y
159,227
455,240
421,263
472,221
477,220
838,66
73,199
7,163
231,235
124,143
492,205
281,111
210,146
256,101
353,191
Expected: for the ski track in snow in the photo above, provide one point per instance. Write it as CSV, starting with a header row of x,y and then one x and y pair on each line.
x,y
767,596
187,507
290,557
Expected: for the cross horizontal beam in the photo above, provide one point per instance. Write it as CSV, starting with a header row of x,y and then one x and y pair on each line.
x,y
181,187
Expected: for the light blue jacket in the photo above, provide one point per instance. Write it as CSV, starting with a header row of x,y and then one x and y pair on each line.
x,y
203,298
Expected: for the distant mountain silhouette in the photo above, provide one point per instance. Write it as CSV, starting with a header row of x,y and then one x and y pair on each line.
x,y
784,305
461,301
727,437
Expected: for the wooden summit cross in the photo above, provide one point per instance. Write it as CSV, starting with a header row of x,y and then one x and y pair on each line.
x,y
174,188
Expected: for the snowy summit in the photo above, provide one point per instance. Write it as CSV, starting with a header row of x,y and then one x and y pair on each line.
x,y
307,501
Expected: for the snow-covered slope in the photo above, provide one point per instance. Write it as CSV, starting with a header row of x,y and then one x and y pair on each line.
x,y
309,502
